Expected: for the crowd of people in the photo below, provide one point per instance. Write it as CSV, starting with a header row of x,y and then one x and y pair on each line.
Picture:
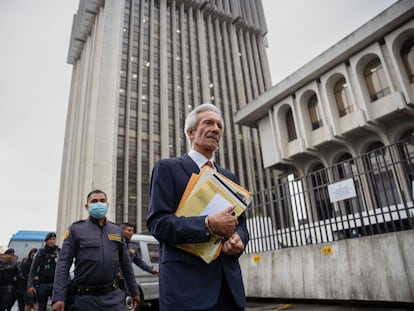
x,y
30,282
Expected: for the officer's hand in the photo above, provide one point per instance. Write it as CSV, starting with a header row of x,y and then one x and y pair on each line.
x,y
135,301
31,291
234,245
155,270
58,306
223,223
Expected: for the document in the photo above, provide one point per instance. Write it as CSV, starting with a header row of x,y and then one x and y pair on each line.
x,y
208,193
215,205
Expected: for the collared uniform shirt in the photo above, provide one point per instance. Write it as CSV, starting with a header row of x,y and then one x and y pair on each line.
x,y
99,257
136,259
43,265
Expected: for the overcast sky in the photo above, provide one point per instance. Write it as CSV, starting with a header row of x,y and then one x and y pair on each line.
x,y
35,82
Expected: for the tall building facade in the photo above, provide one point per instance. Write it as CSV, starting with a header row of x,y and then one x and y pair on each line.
x,y
139,66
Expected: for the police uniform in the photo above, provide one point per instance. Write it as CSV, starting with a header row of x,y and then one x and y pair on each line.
x,y
99,261
9,272
42,272
25,271
136,259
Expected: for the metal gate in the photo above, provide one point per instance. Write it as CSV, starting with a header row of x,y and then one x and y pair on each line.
x,y
366,195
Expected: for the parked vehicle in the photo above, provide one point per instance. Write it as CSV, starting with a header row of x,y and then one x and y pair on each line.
x,y
148,248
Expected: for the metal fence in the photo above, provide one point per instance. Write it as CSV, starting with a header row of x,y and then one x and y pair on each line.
x,y
367,195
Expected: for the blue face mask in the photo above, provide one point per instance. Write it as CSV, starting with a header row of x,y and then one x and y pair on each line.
x,y
98,210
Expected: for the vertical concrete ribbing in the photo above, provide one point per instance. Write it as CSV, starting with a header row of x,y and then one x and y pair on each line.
x,y
205,67
163,70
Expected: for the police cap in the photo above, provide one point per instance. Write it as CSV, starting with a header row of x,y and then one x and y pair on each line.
x,y
50,235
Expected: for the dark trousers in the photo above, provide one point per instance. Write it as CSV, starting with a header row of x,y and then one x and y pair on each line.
x,y
226,301
20,293
43,293
7,296
113,301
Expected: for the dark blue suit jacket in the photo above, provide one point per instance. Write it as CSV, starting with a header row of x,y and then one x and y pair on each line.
x,y
186,281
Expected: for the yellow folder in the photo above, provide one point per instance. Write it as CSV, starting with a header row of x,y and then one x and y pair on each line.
x,y
208,193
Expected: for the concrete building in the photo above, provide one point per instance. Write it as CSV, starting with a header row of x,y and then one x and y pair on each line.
x,y
139,66
357,94
354,98
345,117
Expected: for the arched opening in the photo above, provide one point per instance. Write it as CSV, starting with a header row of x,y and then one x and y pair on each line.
x,y
407,57
378,161
290,125
375,80
406,150
318,179
343,98
314,115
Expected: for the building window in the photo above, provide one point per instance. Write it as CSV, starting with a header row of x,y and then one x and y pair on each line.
x,y
290,125
407,56
375,79
316,120
343,98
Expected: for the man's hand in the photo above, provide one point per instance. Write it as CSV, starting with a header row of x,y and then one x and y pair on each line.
x,y
234,245
223,223
58,306
135,301
155,270
31,291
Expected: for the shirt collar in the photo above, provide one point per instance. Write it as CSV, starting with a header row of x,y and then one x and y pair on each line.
x,y
199,159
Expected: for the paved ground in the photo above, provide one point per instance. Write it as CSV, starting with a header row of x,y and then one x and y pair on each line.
x,y
272,306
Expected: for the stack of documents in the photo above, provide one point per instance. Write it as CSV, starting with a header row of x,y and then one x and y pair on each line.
x,y
208,193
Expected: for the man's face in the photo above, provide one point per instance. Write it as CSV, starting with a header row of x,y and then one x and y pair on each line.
x,y
128,232
51,242
95,198
205,138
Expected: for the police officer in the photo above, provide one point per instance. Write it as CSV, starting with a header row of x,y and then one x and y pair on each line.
x,y
128,231
9,273
42,271
29,303
101,258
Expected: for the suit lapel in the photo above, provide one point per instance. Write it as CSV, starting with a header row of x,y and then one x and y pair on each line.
x,y
189,165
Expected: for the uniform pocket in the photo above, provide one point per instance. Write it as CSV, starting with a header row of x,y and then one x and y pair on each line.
x,y
89,244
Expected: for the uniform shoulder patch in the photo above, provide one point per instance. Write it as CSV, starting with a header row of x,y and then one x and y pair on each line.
x,y
66,235
114,237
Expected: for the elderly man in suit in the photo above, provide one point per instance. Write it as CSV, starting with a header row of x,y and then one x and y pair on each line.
x,y
186,281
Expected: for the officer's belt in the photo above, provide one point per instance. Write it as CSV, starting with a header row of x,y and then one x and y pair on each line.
x,y
96,290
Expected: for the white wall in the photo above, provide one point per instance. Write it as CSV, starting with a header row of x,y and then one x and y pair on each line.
x,y
375,268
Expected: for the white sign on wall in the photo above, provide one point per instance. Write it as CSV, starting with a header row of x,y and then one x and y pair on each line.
x,y
342,190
